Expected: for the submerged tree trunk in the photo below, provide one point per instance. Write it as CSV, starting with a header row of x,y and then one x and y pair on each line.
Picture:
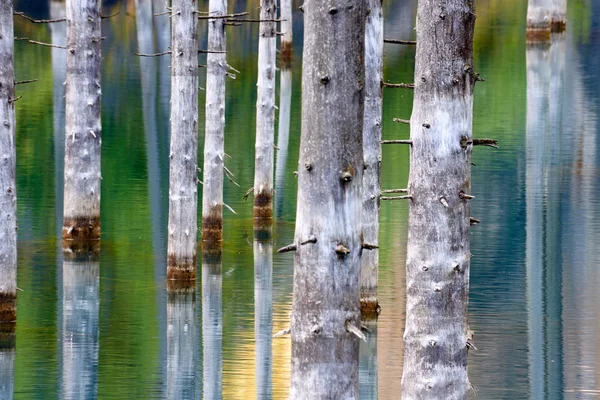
x,y
558,15
212,325
263,316
286,28
183,182
368,372
265,117
182,342
8,189
283,136
214,137
544,17
438,256
83,132
7,367
372,155
326,307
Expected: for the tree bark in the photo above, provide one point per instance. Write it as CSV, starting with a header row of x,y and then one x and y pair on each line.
x,y
212,325
263,316
372,155
539,20
558,15
265,117
286,28
182,343
438,256
83,132
80,325
183,182
326,305
8,188
283,137
214,137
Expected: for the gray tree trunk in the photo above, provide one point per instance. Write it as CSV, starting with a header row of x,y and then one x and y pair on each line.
x,y
265,117
539,19
369,266
183,182
438,256
214,136
286,28
162,28
283,136
263,316
558,15
7,368
212,326
83,132
8,189
326,304
80,325
182,343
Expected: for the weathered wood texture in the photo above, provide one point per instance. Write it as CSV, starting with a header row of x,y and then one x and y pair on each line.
x,y
214,141
212,325
8,189
326,271
83,131
183,182
283,137
372,155
263,317
286,28
182,344
438,256
265,116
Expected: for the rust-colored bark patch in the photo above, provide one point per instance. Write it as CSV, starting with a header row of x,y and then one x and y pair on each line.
x,y
81,228
369,308
537,35
8,311
181,270
286,52
263,207
212,225
558,26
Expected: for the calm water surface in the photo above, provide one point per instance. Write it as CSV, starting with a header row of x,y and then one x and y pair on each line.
x,y
107,329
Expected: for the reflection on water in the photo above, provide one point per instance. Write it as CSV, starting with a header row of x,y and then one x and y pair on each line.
x,y
534,304
367,372
7,368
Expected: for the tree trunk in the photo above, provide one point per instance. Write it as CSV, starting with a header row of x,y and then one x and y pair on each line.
x,y
328,234
438,256
263,316
8,188
212,325
558,15
182,342
265,117
372,155
83,132
539,20
214,137
183,183
286,28
80,325
283,136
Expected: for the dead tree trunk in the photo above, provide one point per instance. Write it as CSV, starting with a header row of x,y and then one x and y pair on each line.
x,y
544,17
265,117
372,156
286,28
182,342
368,372
7,368
212,325
283,136
214,137
326,308
263,316
80,325
83,132
438,257
183,182
8,189
558,15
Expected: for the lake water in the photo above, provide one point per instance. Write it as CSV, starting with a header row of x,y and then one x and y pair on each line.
x,y
107,329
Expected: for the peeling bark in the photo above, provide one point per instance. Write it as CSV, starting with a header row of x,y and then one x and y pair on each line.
x,y
369,266
183,182
263,316
286,28
182,342
8,188
328,221
438,257
214,137
83,131
265,117
212,325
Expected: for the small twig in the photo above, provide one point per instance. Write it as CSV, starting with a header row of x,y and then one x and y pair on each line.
x,y
282,332
408,197
285,249
473,221
26,81
222,16
110,15
38,21
154,54
248,193
162,13
227,171
356,331
255,20
395,41
396,142
486,142
399,85
211,52
15,99
19,289
20,38
47,44
402,121
395,191
369,246
229,208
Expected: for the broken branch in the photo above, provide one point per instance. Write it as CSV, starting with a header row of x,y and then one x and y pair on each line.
x,y
396,142
38,21
222,16
395,41
396,197
153,54
285,249
282,332
26,81
396,191
355,331
402,121
47,44
399,85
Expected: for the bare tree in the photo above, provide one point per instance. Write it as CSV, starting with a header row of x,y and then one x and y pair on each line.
x,y
8,198
265,116
83,132
438,256
183,182
372,155
286,28
326,308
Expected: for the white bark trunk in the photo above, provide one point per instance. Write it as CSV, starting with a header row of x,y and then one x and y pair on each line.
x,y
7,369
539,20
263,316
83,132
286,28
372,155
558,15
8,189
182,343
183,182
162,28
283,137
438,256
212,326
214,137
265,117
326,303
80,326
